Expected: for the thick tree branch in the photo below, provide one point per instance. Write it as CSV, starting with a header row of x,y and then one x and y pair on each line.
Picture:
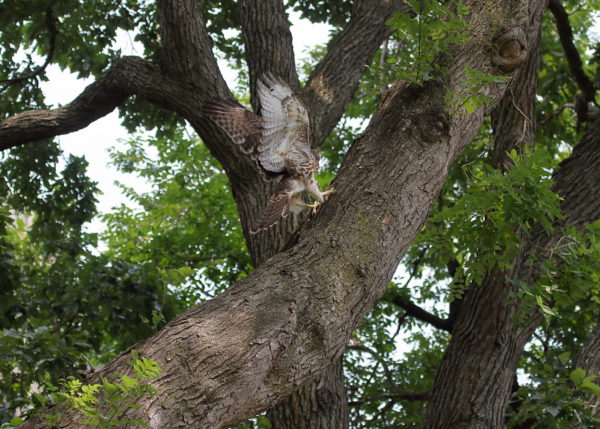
x,y
321,403
96,101
565,34
333,82
268,42
50,22
187,48
513,120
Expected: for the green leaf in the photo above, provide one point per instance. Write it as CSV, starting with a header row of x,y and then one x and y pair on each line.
x,y
577,376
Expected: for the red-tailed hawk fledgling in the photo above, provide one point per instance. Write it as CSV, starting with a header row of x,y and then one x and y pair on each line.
x,y
279,142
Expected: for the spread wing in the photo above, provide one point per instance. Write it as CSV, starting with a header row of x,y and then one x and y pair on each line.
x,y
240,124
285,126
278,140
278,205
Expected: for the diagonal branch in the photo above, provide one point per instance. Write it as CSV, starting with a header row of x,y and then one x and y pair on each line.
x,y
417,312
50,22
127,76
334,80
96,101
565,33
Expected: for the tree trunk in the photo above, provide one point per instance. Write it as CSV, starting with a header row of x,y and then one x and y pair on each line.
x,y
234,356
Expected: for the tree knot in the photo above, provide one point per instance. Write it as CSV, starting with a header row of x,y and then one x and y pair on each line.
x,y
509,50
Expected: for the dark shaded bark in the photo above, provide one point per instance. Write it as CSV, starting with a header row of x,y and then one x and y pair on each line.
x,y
268,42
513,120
234,356
319,404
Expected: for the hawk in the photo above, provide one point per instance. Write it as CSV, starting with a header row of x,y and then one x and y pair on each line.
x,y
279,141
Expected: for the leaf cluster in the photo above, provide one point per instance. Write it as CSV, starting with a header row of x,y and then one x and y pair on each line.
x,y
107,405
436,28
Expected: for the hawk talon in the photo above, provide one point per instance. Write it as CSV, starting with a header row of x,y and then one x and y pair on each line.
x,y
328,192
313,207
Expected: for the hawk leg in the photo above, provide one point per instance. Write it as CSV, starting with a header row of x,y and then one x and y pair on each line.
x,y
313,207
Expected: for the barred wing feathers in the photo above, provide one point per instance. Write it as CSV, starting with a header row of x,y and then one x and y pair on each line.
x,y
284,126
240,124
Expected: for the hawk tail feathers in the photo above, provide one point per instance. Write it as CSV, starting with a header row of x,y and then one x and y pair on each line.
x,y
277,207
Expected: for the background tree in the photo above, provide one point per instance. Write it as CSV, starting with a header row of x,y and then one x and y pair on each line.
x,y
518,264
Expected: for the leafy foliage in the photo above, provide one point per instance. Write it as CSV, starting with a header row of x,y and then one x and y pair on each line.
x,y
186,233
108,405
437,27
557,400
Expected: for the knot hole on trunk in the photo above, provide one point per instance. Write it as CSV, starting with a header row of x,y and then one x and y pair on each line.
x,y
509,50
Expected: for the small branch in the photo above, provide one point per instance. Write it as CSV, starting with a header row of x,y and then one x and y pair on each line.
x,y
417,312
396,396
53,31
558,111
565,33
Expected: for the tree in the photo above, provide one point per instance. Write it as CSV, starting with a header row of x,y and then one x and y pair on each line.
x,y
513,253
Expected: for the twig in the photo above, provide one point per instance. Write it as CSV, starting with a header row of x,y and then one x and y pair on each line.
x,y
51,21
557,112
386,369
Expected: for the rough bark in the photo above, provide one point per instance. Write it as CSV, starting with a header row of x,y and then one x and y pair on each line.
x,y
295,314
268,42
326,94
513,120
483,345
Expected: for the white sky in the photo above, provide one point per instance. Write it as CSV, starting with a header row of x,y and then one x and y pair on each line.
x,y
94,140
